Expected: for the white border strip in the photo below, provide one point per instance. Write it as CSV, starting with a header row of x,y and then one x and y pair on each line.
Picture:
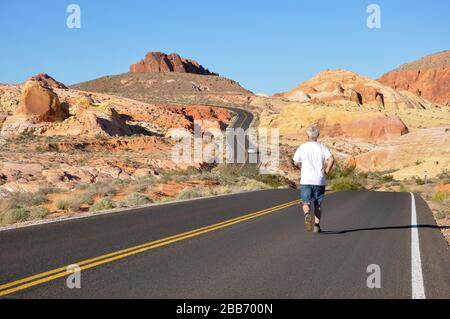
x,y
418,290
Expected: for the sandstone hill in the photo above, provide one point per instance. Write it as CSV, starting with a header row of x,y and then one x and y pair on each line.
x,y
158,62
167,79
348,88
428,77
169,87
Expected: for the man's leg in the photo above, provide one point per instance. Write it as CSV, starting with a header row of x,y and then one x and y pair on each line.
x,y
306,208
319,194
306,195
318,212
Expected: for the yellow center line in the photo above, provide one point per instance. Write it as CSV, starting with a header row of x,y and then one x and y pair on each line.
x,y
27,282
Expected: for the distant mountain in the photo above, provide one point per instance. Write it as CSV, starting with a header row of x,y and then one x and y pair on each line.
x,y
428,77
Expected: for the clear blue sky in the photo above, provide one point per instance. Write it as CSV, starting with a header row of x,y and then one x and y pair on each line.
x,y
268,46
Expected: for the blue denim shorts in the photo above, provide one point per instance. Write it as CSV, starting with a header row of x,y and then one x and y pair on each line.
x,y
312,194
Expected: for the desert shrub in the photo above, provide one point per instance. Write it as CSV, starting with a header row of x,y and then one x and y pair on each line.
x,y
49,190
101,137
15,215
340,171
387,178
274,181
103,204
119,182
342,184
441,197
103,189
38,212
441,214
363,175
419,181
27,199
134,200
404,189
249,184
74,203
63,204
26,137
82,186
189,193
444,176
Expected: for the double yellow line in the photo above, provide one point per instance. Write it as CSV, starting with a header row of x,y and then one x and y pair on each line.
x,y
44,277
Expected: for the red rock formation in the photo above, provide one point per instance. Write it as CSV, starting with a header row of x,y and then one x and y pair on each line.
x,y
157,62
428,78
48,81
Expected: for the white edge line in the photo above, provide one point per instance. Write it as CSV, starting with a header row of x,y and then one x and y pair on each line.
x,y
418,290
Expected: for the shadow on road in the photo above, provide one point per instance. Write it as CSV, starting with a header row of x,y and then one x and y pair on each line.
x,y
337,232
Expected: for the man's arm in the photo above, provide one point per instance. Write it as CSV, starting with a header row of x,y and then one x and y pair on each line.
x,y
297,158
329,164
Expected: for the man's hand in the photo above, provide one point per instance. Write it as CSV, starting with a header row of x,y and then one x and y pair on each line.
x,y
330,164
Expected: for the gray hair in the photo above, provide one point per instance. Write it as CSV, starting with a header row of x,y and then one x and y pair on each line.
x,y
313,131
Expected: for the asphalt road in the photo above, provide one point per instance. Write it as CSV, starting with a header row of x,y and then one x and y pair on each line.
x,y
243,121
264,255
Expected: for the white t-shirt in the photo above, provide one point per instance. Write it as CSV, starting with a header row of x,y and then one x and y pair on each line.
x,y
312,155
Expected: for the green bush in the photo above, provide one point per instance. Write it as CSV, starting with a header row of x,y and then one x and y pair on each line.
x,y
103,204
15,215
134,200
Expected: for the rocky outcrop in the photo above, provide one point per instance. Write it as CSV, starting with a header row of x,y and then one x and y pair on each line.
x,y
364,125
428,78
158,62
48,81
425,151
38,107
40,102
347,88
91,120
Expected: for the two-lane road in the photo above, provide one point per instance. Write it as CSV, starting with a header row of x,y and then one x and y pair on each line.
x,y
249,245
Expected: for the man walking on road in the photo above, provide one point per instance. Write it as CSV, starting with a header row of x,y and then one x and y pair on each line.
x,y
315,161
